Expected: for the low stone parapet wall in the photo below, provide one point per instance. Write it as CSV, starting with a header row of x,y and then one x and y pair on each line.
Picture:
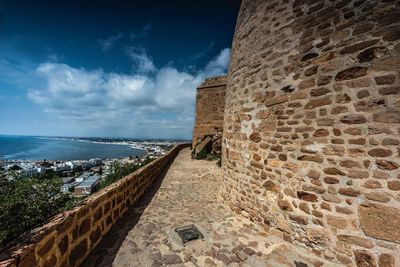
x,y
68,238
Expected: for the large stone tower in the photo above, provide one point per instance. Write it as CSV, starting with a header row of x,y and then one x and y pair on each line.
x,y
312,125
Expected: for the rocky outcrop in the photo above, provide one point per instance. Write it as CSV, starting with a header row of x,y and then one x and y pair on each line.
x,y
209,145
203,148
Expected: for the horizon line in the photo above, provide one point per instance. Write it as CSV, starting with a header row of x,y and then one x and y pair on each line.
x,y
64,136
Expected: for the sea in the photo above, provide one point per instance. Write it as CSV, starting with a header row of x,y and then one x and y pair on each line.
x,y
52,148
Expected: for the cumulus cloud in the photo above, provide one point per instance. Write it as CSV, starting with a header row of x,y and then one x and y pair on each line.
x,y
107,43
69,92
219,64
175,90
149,102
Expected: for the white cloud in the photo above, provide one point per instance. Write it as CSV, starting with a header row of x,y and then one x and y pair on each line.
x,y
62,78
219,65
107,43
141,60
149,102
129,89
204,52
20,73
175,89
52,57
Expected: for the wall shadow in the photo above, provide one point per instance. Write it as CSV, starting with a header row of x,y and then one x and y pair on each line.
x,y
106,251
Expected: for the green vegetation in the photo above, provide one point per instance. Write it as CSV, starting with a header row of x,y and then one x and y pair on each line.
x,y
71,189
213,156
207,152
119,170
202,154
209,156
27,202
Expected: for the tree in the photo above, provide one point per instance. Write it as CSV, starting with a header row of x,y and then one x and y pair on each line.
x,y
79,168
71,189
15,167
117,171
27,202
147,160
46,164
101,170
3,179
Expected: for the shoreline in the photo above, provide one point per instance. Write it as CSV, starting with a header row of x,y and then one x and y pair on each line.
x,y
125,143
134,148
13,157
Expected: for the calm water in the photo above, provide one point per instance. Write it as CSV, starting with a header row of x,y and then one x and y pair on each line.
x,y
38,148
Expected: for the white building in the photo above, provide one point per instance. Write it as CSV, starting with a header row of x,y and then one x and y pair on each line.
x,y
72,165
31,171
96,161
60,167
82,177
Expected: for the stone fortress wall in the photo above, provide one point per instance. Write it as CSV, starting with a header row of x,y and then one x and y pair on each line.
x,y
312,125
210,101
69,237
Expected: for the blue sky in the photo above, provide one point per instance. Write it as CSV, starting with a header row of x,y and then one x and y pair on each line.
x,y
110,68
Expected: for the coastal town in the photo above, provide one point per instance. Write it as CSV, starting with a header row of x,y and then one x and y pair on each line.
x,y
82,177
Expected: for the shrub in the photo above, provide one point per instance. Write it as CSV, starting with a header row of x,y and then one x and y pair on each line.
x,y
119,171
27,202
202,154
212,157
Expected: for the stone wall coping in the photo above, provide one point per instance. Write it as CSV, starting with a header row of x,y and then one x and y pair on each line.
x,y
213,82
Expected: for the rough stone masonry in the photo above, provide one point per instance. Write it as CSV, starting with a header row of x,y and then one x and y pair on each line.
x,y
210,101
312,125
